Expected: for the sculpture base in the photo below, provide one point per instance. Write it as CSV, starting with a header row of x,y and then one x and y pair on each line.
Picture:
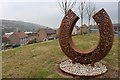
x,y
78,69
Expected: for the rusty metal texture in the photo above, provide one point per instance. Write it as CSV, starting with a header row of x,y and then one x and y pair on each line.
x,y
91,56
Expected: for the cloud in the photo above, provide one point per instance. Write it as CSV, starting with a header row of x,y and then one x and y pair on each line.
x,y
46,13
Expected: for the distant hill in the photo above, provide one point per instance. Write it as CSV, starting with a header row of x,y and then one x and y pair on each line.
x,y
12,25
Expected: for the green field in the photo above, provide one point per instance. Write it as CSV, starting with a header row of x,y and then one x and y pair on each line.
x,y
40,60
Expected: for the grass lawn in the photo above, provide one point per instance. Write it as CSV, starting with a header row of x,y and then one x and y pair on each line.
x,y
40,60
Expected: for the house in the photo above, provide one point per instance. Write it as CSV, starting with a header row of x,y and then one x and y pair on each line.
x,y
116,27
32,37
83,29
57,33
18,38
93,28
0,46
45,34
5,43
75,30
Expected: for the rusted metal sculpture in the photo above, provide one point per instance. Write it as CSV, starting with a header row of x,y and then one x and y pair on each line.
x,y
86,57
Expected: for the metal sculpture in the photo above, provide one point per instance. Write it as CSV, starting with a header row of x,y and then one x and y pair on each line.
x,y
86,57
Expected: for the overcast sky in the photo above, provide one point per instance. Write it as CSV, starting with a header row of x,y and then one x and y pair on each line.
x,y
47,13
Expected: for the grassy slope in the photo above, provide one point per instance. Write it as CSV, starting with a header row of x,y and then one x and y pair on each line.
x,y
41,59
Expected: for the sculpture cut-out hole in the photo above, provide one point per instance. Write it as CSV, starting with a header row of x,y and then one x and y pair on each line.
x,y
86,41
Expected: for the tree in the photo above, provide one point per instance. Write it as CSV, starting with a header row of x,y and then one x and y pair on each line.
x,y
65,5
90,11
94,14
82,10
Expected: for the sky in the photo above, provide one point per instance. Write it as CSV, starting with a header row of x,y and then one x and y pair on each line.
x,y
47,13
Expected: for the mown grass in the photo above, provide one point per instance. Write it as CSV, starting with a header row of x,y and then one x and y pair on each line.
x,y
40,60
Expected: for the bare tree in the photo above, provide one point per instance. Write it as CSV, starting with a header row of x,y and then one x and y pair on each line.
x,y
65,5
90,11
94,14
82,10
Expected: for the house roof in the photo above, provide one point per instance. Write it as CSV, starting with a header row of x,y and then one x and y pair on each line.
x,y
20,34
48,30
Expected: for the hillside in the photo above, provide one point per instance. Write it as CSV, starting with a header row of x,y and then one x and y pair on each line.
x,y
40,60
12,25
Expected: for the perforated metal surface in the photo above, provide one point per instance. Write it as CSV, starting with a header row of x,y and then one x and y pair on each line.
x,y
86,57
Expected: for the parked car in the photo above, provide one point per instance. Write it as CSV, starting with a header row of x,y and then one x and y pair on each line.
x,y
16,45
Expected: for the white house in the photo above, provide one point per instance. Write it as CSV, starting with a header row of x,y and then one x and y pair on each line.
x,y
75,30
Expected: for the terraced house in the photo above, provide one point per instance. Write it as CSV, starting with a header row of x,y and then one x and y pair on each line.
x,y
45,34
18,38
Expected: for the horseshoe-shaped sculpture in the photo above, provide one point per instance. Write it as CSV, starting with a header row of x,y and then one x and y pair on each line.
x,y
86,57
